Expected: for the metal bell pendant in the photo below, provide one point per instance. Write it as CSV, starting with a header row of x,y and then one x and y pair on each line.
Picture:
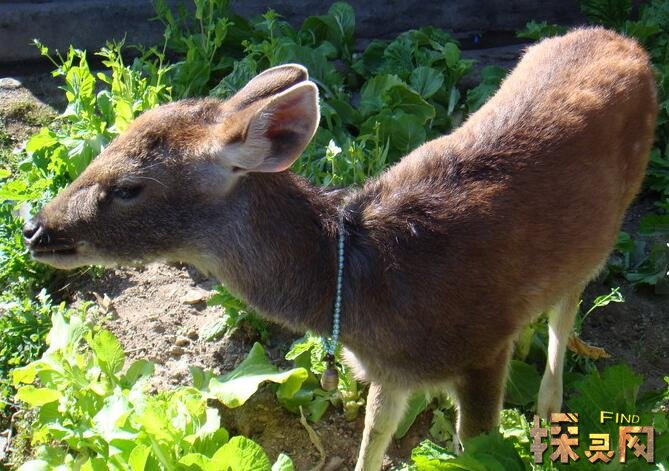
x,y
330,378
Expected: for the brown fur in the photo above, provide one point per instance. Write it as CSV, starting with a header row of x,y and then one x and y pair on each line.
x,y
449,253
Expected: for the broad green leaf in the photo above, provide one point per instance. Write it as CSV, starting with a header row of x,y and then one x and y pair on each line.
x,y
234,388
153,420
407,133
398,57
197,459
215,329
240,454
208,444
108,351
138,370
26,374
64,335
609,13
283,463
429,456
522,384
535,30
45,138
625,243
139,457
201,378
37,397
124,114
91,464
426,81
417,404
4,173
371,59
654,225
344,14
401,97
109,421
451,54
614,389
372,95
493,452
442,427
491,78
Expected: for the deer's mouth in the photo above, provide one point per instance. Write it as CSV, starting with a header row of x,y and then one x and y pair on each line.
x,y
60,254
54,249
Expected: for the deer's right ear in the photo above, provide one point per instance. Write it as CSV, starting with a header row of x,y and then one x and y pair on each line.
x,y
274,132
268,83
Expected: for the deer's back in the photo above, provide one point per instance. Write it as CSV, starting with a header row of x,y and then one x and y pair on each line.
x,y
481,229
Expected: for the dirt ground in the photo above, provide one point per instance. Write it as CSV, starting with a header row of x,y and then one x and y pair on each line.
x,y
150,313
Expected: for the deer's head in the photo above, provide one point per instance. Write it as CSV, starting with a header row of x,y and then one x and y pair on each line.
x,y
146,196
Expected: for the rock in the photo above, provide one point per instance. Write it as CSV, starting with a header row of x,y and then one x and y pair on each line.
x,y
9,83
195,296
182,341
176,351
192,334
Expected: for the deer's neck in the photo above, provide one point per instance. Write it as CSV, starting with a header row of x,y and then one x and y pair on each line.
x,y
277,250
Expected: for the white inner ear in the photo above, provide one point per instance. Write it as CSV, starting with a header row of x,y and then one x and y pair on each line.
x,y
279,131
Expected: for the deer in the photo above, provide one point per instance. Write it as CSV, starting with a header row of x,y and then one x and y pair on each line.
x,y
449,253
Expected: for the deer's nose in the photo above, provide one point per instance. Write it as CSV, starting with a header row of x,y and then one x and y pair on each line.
x,y
32,230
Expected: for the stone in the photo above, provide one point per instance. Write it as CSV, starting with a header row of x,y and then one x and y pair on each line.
x,y
195,296
176,351
9,83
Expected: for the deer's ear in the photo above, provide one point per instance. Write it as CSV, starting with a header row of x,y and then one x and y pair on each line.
x,y
268,83
278,131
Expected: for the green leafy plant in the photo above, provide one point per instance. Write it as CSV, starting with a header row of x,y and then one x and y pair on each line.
x,y
93,412
24,324
491,78
535,31
615,389
236,313
645,260
59,153
610,13
309,353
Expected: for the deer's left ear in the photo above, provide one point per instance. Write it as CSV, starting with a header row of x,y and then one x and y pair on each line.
x,y
278,131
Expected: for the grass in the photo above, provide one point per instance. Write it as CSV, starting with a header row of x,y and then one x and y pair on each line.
x,y
28,112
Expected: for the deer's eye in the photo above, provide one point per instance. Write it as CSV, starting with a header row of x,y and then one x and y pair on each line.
x,y
126,192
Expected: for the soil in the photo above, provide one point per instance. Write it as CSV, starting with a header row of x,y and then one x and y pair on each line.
x,y
147,310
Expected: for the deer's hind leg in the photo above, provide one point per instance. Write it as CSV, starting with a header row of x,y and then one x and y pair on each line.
x,y
560,323
479,393
385,408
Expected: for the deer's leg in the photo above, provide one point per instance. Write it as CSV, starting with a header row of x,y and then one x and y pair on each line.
x,y
385,408
560,324
479,394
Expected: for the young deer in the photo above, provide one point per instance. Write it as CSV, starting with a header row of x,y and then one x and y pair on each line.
x,y
448,254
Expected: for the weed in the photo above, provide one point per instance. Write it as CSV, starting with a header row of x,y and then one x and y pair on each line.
x,y
24,324
90,415
28,112
236,314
